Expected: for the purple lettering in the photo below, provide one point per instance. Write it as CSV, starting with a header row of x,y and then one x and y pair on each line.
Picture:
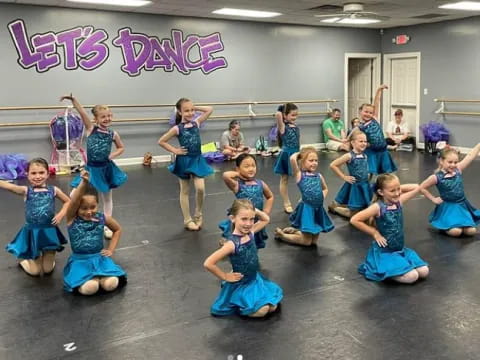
x,y
92,50
27,57
46,46
208,46
133,60
68,39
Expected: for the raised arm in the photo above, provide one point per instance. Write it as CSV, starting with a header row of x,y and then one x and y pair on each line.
x,y
76,198
336,164
359,220
165,138
17,189
295,168
378,98
87,122
268,204
230,179
59,194
206,112
409,191
469,158
263,220
117,232
211,263
280,123
428,182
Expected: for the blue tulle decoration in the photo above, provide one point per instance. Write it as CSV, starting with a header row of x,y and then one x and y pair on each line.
x,y
171,122
434,131
13,166
75,128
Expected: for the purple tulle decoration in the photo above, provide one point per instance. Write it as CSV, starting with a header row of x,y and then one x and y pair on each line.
x,y
434,131
75,128
13,166
214,157
273,135
171,122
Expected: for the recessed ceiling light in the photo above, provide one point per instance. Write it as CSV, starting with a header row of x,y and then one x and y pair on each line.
x,y
358,21
114,2
462,5
246,13
331,20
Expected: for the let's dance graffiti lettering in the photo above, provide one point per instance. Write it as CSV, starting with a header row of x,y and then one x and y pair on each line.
x,y
84,47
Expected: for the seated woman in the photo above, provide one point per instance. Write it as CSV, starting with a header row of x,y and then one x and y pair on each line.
x,y
231,143
398,132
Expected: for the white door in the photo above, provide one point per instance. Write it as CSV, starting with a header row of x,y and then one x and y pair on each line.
x,y
403,78
360,77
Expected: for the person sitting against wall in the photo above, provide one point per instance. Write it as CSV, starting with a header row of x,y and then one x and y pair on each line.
x,y
398,132
334,132
231,142
354,123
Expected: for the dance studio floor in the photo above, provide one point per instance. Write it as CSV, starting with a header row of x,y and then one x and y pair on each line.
x,y
329,311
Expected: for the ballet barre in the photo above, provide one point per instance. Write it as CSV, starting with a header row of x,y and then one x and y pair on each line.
x,y
441,110
167,119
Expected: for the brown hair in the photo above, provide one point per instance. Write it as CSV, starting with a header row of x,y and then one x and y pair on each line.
x,y
380,184
287,109
178,106
444,153
304,154
365,105
38,161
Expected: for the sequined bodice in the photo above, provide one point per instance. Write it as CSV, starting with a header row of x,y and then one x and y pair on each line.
x,y
245,258
450,187
358,167
375,136
291,138
40,206
189,138
251,191
86,236
99,145
310,186
390,225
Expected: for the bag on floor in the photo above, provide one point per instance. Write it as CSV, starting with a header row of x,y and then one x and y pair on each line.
x,y
214,157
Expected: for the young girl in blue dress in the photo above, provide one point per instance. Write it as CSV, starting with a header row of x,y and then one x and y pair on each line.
x,y
189,163
309,218
245,291
356,193
90,266
39,239
244,185
379,159
453,212
388,258
104,174
289,140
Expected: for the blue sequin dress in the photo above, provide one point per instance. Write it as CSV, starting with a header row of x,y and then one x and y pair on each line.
x,y
379,159
38,234
395,259
309,215
193,163
253,191
253,291
356,196
86,262
290,145
104,174
455,211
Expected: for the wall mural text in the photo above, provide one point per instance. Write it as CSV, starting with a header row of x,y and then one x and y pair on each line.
x,y
84,47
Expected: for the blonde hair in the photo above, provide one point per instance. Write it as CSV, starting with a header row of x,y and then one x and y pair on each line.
x,y
304,154
97,108
442,155
365,105
380,184
355,134
240,204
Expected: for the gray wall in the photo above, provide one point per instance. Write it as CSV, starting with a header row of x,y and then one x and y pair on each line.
x,y
450,58
265,62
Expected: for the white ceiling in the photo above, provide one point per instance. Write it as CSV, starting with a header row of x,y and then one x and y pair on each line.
x,y
401,12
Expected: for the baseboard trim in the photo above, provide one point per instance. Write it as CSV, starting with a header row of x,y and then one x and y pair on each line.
x,y
168,158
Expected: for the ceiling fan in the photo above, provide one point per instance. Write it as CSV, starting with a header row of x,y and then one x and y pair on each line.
x,y
353,13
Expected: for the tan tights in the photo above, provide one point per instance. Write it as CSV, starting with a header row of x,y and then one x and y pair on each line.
x,y
284,191
199,184
293,236
107,283
413,275
264,310
456,232
45,263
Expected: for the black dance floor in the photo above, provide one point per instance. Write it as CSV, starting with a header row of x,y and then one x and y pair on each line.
x,y
329,311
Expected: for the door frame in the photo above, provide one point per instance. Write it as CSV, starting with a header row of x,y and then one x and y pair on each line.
x,y
387,66
377,58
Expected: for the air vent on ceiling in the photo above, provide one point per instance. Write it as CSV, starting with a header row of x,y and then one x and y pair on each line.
x,y
327,8
428,16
